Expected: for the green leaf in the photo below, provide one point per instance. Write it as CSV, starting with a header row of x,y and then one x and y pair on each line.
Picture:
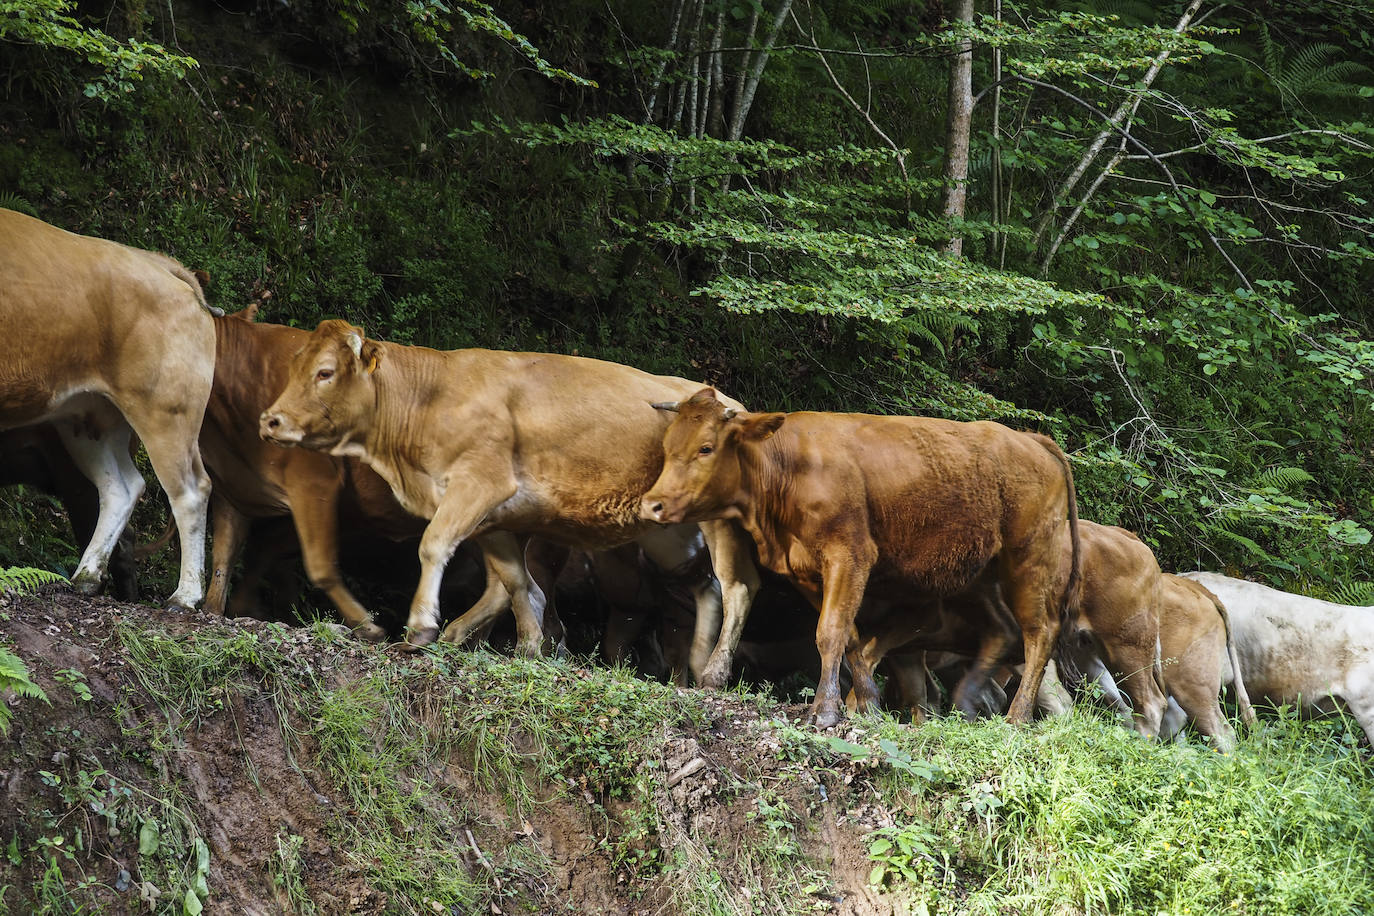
x,y
841,746
148,836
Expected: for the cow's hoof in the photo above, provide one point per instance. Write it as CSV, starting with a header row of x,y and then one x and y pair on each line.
x,y
827,716
86,584
715,676
369,632
417,639
530,649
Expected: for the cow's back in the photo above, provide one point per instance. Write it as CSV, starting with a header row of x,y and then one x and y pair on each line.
x,y
88,315
941,497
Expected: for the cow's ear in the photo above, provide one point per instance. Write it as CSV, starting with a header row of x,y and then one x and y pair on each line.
x,y
755,427
371,355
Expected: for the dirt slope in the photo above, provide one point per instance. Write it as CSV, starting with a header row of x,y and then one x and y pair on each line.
x,y
186,764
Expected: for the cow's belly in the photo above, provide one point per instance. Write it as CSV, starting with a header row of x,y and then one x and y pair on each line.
x,y
607,520
28,396
1284,663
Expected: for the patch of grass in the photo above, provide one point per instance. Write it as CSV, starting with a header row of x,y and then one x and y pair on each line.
x,y
405,818
191,676
287,874
1079,815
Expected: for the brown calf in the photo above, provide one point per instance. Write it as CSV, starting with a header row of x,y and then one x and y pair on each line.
x,y
898,509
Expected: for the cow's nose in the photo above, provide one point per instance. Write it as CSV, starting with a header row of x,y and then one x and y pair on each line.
x,y
271,422
651,509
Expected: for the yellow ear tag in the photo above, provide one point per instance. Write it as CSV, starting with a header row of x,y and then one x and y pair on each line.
x,y
372,364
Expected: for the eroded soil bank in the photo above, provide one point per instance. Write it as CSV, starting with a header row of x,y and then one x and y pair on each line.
x,y
186,764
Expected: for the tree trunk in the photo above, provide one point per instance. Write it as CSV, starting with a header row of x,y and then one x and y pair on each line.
x,y
958,125
1126,109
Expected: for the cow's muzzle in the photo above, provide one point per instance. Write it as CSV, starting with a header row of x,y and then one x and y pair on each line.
x,y
656,509
273,426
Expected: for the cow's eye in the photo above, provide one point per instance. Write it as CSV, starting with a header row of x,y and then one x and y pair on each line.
x,y
324,375
705,450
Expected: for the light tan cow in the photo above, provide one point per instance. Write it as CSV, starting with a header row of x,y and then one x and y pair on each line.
x,y
105,341
502,446
1199,655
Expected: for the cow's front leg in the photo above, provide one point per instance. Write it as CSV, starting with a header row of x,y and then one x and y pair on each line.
x,y
843,582
732,559
315,512
470,496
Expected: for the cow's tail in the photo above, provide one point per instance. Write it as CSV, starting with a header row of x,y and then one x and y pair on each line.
x,y
145,550
1073,589
197,280
1247,712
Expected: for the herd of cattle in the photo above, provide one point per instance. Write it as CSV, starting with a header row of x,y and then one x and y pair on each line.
x,y
922,543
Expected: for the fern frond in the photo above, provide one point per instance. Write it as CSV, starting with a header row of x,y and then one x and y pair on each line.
x,y
1356,593
12,201
1225,534
1282,479
20,580
14,677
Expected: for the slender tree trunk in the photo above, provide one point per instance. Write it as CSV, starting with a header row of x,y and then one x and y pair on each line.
x,y
652,109
958,126
715,118
999,240
1123,111
745,101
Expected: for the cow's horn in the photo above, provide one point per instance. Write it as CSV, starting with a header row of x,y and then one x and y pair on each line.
x,y
666,405
731,413
355,343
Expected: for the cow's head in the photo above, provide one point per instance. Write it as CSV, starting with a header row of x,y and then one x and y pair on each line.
x,y
701,460
330,394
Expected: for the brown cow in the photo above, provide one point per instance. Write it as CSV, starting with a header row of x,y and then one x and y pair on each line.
x,y
906,509
1117,624
253,479
501,445
1111,635
105,341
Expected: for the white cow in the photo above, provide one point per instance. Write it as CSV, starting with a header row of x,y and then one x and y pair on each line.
x,y
1299,651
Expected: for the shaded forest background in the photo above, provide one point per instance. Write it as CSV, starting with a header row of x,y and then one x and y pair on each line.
x,y
756,194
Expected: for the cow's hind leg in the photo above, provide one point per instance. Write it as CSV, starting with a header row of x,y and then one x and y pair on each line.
x,y
170,431
509,584
98,443
1037,611
228,529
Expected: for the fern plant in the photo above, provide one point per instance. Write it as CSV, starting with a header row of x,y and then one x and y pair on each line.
x,y
1356,593
24,579
1315,69
14,676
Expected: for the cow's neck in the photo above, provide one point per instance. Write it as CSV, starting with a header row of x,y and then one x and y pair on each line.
x,y
763,501
404,384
